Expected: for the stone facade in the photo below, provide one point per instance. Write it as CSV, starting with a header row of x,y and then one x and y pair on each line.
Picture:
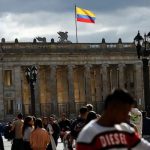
x,y
69,76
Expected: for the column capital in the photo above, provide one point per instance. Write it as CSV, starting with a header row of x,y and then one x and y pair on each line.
x,y
139,64
138,67
70,66
87,66
105,65
121,65
53,66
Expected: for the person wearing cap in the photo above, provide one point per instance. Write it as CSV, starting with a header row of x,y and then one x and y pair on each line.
x,y
130,123
111,131
136,118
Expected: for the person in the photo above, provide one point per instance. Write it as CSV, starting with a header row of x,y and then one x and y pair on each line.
x,y
54,131
1,143
136,118
45,122
79,123
91,115
8,133
130,123
27,129
17,127
64,125
77,126
146,126
110,131
39,138
51,145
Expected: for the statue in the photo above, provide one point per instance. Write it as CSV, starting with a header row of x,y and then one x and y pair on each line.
x,y
3,40
41,39
63,37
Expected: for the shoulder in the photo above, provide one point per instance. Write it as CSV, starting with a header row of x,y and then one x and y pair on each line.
x,y
136,111
44,130
30,129
124,127
90,131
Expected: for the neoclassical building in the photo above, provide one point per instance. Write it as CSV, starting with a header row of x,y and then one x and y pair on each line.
x,y
69,75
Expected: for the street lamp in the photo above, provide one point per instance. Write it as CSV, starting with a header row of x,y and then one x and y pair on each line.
x,y
142,45
31,75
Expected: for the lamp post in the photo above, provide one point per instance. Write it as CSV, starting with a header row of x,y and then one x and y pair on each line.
x,y
31,75
142,45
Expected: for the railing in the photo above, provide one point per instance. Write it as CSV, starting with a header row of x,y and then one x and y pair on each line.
x,y
98,106
70,46
63,108
26,108
79,105
46,109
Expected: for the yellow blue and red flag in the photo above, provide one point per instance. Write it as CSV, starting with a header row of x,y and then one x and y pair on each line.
x,y
84,15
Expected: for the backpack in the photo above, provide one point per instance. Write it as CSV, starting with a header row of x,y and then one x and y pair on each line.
x,y
7,133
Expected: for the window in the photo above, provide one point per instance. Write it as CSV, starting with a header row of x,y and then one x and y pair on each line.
x,y
10,107
8,77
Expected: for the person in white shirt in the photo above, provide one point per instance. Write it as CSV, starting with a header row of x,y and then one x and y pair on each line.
x,y
27,129
137,119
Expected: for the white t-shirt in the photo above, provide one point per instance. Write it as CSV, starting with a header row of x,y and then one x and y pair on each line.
x,y
137,119
27,133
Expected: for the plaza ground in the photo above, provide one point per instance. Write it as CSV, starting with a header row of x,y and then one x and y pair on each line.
x,y
7,144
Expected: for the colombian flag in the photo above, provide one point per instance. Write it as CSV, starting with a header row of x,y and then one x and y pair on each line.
x,y
84,15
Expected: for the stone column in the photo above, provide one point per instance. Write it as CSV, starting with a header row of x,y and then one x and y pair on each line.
x,y
1,94
87,75
105,80
18,89
139,84
121,75
37,93
53,88
71,90
98,85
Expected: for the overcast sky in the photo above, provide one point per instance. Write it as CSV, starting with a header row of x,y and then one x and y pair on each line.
x,y
27,19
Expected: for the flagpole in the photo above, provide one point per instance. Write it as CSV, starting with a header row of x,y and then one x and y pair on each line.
x,y
76,25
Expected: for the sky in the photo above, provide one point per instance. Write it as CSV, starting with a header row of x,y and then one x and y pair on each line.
x,y
28,19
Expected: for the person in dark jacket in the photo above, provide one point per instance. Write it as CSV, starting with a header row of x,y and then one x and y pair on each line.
x,y
146,126
55,131
64,125
91,115
1,143
77,126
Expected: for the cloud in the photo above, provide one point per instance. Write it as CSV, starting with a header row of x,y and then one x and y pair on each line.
x,y
39,20
29,6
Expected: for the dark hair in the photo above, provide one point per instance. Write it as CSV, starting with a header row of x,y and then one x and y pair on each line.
x,y
83,110
91,115
119,96
26,123
38,123
20,116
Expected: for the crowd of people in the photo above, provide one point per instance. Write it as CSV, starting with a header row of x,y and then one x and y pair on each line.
x,y
120,126
31,133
